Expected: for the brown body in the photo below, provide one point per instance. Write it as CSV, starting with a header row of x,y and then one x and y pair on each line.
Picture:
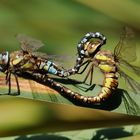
x,y
27,62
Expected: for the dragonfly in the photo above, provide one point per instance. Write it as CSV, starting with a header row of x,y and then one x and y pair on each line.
x,y
27,60
110,64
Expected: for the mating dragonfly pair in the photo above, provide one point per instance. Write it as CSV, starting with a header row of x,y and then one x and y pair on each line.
x,y
27,60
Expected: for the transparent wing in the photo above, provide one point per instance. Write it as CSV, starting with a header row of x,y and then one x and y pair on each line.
x,y
57,59
132,108
134,85
125,52
126,48
29,44
40,54
131,68
61,60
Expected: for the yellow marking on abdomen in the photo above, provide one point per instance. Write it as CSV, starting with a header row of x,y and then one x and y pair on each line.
x,y
103,58
106,68
105,92
111,83
46,67
43,66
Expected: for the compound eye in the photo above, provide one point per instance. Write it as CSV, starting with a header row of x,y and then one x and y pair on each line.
x,y
91,49
4,58
4,55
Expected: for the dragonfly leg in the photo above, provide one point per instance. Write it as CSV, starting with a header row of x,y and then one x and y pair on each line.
x,y
76,68
18,88
84,67
89,71
8,81
91,74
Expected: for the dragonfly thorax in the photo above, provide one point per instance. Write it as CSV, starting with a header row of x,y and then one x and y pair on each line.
x,y
4,59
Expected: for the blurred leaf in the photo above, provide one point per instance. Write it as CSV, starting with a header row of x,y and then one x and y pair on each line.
x,y
20,117
131,138
124,11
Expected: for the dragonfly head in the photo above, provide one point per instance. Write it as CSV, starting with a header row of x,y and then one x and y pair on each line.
x,y
4,59
92,47
90,44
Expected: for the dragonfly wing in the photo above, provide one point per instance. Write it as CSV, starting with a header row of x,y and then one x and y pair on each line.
x,y
132,108
60,57
61,60
134,85
40,54
57,59
126,48
134,69
125,52
29,44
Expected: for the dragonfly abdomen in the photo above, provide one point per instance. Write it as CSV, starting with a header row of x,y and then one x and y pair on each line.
x,y
109,85
74,96
51,68
107,65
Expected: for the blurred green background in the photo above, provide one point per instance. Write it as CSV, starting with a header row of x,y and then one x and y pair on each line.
x,y
60,24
